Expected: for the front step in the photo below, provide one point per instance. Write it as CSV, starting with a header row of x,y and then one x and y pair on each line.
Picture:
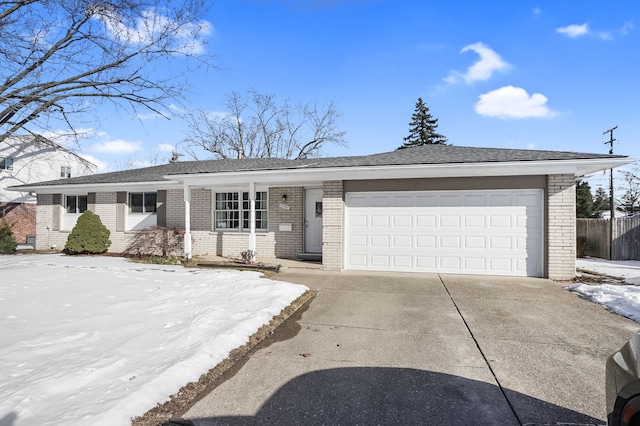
x,y
312,257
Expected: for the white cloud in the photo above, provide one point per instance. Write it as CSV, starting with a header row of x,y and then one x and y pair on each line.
x,y
166,147
536,11
118,146
574,30
103,166
626,28
513,102
482,69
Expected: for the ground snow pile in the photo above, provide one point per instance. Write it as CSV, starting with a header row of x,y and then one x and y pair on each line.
x,y
621,299
99,340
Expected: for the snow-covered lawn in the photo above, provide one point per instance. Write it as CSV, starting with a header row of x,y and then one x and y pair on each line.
x,y
621,299
99,340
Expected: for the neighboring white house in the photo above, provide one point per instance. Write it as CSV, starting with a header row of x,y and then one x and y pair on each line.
x,y
28,160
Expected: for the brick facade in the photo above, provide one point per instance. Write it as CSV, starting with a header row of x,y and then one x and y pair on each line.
x,y
21,217
561,227
332,225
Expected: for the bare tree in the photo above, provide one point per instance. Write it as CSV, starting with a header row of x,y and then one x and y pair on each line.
x,y
61,57
257,125
630,199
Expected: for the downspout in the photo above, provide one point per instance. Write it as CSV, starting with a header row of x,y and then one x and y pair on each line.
x,y
252,220
187,222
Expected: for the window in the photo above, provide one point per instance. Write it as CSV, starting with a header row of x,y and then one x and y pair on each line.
x,y
65,172
143,202
75,203
229,210
6,163
261,210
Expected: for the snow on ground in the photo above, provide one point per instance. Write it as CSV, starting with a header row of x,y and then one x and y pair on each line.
x,y
99,340
621,299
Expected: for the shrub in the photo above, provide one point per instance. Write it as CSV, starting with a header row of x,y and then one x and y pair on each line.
x,y
8,242
89,236
156,241
583,246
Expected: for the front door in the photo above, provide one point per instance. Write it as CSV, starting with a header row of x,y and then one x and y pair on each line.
x,y
313,220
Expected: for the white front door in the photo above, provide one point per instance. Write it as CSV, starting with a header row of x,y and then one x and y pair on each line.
x,y
313,220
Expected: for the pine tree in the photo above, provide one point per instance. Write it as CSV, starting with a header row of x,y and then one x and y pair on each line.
x,y
89,236
8,243
585,207
601,199
422,130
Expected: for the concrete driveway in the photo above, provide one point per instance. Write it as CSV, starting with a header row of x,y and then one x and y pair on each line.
x,y
383,348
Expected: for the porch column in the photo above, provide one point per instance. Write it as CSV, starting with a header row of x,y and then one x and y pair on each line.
x,y
187,221
252,220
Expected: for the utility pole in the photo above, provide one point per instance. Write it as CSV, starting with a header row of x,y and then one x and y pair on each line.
x,y
611,202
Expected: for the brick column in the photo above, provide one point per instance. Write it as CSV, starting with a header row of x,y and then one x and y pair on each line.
x,y
561,226
332,224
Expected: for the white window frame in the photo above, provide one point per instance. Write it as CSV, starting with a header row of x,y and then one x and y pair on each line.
x,y
144,203
65,172
241,213
7,163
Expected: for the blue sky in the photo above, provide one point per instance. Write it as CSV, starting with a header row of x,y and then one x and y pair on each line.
x,y
507,74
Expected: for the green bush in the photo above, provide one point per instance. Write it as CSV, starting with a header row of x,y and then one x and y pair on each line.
x,y
89,236
8,242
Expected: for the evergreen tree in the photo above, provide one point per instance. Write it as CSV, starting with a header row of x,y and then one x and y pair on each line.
x,y
8,243
585,206
601,199
89,236
422,130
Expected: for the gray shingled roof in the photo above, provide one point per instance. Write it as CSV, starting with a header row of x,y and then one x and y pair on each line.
x,y
427,154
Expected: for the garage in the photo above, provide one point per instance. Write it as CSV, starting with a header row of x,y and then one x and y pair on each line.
x,y
487,232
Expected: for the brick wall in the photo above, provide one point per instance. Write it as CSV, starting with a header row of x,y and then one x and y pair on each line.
x,y
46,218
561,227
288,244
22,219
332,222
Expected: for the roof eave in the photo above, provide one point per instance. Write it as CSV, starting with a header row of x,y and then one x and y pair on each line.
x,y
304,176
98,187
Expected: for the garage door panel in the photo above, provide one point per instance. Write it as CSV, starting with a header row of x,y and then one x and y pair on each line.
x,y
403,221
475,242
357,241
357,220
426,241
380,241
403,262
472,221
477,232
478,264
426,221
450,221
402,241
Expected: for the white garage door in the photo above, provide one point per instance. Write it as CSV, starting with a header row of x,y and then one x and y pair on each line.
x,y
493,232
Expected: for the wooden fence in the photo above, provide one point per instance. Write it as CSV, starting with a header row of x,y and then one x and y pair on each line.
x,y
626,237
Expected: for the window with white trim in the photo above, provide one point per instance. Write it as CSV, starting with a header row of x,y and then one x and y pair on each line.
x,y
228,210
6,163
75,204
143,202
65,171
